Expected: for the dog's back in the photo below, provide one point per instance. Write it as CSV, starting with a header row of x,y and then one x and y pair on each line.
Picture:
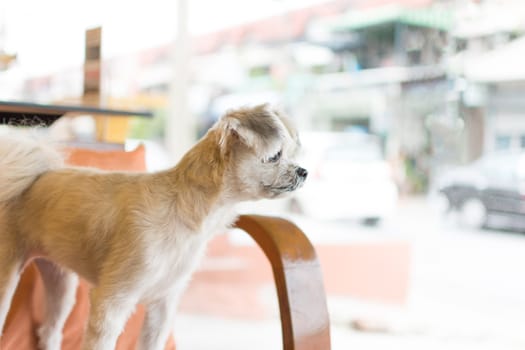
x,y
22,160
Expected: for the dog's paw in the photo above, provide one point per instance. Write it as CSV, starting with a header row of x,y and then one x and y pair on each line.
x,y
49,339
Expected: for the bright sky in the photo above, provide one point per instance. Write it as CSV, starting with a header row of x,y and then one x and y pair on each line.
x,y
49,35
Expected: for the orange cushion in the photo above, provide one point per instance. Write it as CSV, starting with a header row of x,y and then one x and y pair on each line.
x,y
28,306
108,160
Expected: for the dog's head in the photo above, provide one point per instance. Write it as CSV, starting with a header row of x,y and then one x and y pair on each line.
x,y
261,145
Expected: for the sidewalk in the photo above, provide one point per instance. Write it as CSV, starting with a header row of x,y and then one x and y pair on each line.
x,y
210,333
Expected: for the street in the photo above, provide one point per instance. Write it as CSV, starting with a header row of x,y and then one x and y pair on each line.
x,y
466,291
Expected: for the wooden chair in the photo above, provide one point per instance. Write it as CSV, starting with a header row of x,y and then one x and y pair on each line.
x,y
302,302
297,274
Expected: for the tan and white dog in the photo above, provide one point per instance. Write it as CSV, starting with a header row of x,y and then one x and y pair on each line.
x,y
135,237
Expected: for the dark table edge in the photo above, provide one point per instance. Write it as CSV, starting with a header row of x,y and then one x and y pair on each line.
x,y
36,109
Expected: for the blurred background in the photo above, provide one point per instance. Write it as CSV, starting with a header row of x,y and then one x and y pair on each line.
x,y
413,125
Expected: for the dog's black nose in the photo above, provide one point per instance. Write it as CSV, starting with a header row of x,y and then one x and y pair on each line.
x,y
302,172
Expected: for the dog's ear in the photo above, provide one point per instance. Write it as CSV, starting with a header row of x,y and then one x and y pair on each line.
x,y
256,127
233,130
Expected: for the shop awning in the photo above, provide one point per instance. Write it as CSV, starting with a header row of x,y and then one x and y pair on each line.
x,y
360,19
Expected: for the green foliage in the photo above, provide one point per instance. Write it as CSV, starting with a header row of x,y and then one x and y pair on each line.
x,y
149,128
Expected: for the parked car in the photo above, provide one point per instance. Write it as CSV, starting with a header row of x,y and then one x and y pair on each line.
x,y
488,192
348,178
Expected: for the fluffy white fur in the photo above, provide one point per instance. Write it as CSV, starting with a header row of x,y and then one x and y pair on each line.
x,y
25,158
135,237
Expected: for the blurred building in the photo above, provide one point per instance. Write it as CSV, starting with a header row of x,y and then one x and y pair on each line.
x,y
390,74
488,44
440,81
250,62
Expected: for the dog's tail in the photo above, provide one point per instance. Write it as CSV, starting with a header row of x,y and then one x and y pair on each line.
x,y
22,159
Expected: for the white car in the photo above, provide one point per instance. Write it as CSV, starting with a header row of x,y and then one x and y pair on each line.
x,y
348,178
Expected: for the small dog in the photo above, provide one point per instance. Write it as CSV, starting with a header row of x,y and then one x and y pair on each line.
x,y
135,237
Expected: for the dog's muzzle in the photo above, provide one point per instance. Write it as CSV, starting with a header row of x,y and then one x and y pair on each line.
x,y
299,178
296,180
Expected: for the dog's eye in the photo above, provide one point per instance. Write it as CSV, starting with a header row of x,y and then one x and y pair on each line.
x,y
274,158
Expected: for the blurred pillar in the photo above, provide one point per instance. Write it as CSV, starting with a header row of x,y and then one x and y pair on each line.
x,y
180,125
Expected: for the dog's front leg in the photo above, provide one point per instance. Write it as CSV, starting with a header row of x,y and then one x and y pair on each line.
x,y
109,312
158,323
